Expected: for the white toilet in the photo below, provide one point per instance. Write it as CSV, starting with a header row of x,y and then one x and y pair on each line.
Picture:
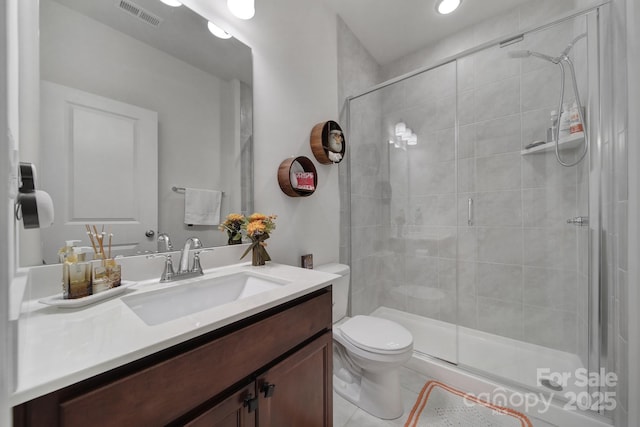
x,y
367,353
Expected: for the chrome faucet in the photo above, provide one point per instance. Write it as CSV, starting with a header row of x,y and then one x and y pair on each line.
x,y
191,243
164,243
169,275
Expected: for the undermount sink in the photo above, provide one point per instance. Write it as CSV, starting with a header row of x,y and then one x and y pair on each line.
x,y
195,295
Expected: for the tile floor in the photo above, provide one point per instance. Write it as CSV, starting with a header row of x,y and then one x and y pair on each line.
x,y
346,414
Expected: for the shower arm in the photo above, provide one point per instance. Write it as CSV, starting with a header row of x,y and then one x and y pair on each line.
x,y
564,58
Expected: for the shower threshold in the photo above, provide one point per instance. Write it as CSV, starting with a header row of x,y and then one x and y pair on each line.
x,y
496,356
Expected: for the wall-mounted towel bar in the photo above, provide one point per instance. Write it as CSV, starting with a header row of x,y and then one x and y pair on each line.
x,y
182,190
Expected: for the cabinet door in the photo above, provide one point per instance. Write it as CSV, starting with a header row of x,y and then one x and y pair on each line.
x,y
231,412
297,391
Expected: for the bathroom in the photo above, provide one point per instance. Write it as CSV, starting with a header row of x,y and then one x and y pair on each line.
x,y
291,93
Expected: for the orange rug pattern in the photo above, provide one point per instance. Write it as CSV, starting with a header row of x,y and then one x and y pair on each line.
x,y
441,405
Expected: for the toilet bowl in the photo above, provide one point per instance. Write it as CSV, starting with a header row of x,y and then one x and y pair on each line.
x,y
367,353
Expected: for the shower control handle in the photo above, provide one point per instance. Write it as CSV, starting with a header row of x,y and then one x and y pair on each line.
x,y
580,221
470,212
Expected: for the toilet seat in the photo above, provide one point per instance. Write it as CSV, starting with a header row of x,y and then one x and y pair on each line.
x,y
376,335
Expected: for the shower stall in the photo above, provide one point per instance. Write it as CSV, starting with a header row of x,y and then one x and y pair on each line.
x,y
464,226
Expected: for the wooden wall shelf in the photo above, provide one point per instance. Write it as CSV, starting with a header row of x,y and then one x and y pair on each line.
x,y
284,176
319,141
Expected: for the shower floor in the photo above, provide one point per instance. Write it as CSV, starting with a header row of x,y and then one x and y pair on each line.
x,y
497,356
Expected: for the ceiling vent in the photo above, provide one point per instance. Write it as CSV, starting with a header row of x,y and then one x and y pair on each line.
x,y
135,10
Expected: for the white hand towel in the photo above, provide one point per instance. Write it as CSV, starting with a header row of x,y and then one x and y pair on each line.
x,y
202,207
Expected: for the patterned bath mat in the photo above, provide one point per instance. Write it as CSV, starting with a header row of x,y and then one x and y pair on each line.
x,y
439,405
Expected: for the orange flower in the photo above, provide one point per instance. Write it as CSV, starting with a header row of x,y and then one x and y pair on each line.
x,y
232,223
257,217
255,227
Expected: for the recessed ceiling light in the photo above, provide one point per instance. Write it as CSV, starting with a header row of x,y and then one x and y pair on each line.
x,y
172,3
445,7
217,31
243,9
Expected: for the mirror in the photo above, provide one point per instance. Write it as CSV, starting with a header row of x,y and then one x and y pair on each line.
x,y
108,69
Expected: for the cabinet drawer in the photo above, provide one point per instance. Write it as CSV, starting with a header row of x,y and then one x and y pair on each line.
x,y
163,392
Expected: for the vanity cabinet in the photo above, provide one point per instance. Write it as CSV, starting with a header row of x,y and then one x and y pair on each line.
x,y
272,369
230,412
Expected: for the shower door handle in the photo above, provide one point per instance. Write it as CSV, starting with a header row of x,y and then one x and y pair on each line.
x,y
470,212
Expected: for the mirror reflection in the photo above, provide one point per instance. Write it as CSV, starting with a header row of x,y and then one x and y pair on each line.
x,y
137,98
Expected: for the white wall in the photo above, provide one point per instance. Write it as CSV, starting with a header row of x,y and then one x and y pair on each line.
x,y
294,87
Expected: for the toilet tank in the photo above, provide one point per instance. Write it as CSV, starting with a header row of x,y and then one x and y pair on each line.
x,y
340,289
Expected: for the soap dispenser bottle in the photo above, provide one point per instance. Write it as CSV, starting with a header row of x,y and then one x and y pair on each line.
x,y
565,122
575,125
67,249
76,275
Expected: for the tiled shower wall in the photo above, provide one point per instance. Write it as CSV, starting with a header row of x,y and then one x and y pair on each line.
x,y
358,71
517,263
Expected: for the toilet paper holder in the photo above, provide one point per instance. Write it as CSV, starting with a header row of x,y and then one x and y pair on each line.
x,y
33,207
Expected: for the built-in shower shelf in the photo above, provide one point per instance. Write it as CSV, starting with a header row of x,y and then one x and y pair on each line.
x,y
572,141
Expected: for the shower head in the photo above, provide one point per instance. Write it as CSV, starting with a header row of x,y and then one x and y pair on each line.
x,y
527,53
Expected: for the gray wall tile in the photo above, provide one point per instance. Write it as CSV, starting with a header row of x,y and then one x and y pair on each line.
x,y
500,317
498,209
497,99
499,172
500,281
500,245
550,328
554,289
501,135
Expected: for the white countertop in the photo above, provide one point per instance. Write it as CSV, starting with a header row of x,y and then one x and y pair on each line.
x,y
58,347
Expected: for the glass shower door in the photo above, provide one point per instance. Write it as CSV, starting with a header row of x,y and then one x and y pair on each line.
x,y
523,279
403,199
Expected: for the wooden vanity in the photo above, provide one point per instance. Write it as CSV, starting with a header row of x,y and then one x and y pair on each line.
x,y
273,368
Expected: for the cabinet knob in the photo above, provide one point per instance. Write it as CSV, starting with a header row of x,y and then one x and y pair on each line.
x,y
268,389
251,403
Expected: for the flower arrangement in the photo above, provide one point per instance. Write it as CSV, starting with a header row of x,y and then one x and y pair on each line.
x,y
258,227
233,226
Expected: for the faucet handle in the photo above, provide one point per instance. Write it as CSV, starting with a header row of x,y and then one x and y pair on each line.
x,y
168,272
197,267
164,243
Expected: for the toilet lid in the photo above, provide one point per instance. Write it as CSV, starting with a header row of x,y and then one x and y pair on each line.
x,y
376,335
